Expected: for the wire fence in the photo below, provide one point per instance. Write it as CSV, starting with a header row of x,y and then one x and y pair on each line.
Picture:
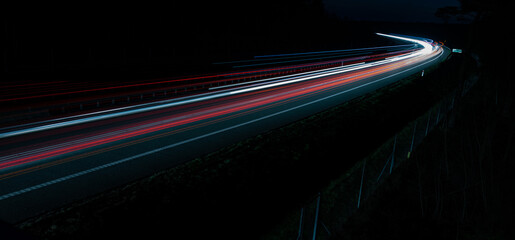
x,y
317,218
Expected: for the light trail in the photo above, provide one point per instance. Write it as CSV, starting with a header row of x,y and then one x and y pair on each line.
x,y
60,88
332,51
428,48
111,136
84,135
283,77
68,177
319,53
142,108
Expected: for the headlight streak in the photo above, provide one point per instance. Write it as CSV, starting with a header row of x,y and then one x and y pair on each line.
x,y
361,66
428,48
110,137
332,51
331,77
165,147
16,128
285,77
176,103
63,87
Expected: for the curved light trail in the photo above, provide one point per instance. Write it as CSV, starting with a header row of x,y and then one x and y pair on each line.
x,y
86,143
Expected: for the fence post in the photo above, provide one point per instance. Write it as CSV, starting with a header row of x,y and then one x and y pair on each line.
x,y
361,185
393,153
412,140
428,119
316,217
300,224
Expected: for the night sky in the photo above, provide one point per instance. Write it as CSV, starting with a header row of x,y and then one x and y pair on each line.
x,y
94,37
391,10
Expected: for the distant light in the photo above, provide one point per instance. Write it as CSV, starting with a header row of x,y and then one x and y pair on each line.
x,y
457,50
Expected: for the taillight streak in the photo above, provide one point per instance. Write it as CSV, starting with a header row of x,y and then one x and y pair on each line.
x,y
329,83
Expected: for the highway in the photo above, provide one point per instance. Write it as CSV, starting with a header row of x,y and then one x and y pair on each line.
x,y
46,164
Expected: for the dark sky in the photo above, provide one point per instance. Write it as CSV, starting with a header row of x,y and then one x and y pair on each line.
x,y
388,10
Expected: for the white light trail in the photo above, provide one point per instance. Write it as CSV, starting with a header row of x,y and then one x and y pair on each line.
x,y
428,48
128,159
134,110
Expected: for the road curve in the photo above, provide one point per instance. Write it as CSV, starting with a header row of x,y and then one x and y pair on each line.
x,y
48,164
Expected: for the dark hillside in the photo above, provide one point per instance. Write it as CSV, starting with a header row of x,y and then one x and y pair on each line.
x,y
459,183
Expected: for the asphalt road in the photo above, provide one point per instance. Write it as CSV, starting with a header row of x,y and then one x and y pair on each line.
x,y
48,165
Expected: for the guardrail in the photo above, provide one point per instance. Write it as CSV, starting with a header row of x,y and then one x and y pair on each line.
x,y
72,104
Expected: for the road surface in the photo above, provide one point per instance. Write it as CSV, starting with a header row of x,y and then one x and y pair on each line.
x,y
47,164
